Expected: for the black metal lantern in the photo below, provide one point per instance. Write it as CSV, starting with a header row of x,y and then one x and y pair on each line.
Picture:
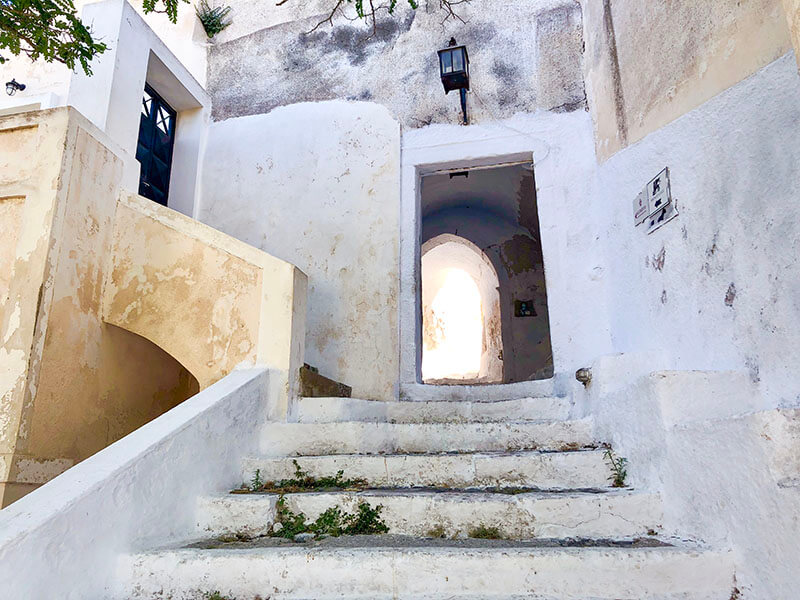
x,y
12,87
454,70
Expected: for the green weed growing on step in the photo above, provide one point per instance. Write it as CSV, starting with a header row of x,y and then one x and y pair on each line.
x,y
214,596
437,532
255,482
301,482
333,522
482,532
619,468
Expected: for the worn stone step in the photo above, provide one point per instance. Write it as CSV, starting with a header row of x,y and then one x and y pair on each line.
x,y
352,437
417,572
612,514
535,469
332,410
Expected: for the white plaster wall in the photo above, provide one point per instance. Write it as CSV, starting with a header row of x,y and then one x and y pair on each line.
x,y
524,55
318,186
734,164
139,493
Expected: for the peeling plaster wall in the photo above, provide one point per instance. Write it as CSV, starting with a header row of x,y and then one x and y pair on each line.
x,y
792,8
87,258
317,185
70,385
648,63
209,300
525,56
716,288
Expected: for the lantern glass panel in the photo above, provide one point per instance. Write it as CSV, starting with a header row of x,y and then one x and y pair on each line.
x,y
458,60
447,62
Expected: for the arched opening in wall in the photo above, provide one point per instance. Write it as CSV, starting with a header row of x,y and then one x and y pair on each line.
x,y
460,314
484,222
131,381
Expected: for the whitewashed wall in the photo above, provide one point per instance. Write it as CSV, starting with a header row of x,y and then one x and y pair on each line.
x,y
318,186
65,538
718,287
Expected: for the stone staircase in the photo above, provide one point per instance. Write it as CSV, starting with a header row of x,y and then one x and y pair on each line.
x,y
440,471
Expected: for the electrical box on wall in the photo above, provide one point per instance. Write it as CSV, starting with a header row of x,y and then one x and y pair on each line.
x,y
524,308
654,204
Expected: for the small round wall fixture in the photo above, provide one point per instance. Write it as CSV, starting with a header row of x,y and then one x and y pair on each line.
x,y
13,86
454,70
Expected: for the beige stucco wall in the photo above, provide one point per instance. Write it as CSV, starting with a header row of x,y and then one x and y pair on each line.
x,y
647,63
75,373
207,299
70,384
792,8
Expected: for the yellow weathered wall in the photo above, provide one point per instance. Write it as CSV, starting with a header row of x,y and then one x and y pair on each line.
x,y
648,63
792,8
77,384
208,299
116,309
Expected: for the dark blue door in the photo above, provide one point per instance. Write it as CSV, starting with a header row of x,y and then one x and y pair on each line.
x,y
154,148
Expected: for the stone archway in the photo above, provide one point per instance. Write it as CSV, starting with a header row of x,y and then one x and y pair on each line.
x,y
470,360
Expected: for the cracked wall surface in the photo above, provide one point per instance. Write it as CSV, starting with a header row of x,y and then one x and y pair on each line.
x,y
525,56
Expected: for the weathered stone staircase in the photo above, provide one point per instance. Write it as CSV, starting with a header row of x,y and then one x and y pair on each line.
x,y
439,470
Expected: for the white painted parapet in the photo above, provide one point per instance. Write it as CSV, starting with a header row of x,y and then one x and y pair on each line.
x,y
139,492
723,463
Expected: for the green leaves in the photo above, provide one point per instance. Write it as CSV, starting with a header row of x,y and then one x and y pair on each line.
x,y
47,29
170,8
51,30
214,19
333,522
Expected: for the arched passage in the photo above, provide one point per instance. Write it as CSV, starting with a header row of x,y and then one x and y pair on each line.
x,y
460,312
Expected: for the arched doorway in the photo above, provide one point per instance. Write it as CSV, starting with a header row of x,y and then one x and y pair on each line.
x,y
462,339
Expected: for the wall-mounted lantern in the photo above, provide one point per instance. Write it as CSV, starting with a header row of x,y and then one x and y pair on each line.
x,y
12,87
454,69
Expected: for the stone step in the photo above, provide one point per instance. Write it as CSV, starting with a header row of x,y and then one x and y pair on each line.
x,y
612,514
488,572
332,410
313,439
534,469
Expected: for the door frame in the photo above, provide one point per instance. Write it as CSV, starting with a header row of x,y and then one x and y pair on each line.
x,y
429,151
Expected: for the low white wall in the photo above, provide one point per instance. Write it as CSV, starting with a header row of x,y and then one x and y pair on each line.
x,y
317,186
726,474
64,538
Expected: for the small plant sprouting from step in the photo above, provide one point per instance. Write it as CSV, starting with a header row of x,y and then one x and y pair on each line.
x,y
333,522
301,482
215,596
619,468
255,482
483,532
437,532
213,19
